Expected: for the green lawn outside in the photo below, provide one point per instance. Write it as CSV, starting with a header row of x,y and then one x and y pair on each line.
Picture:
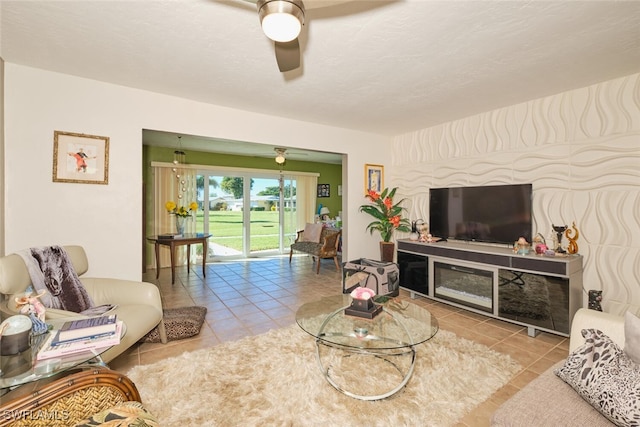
x,y
226,228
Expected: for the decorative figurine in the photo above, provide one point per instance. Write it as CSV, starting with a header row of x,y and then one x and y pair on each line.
x,y
521,246
423,229
415,234
539,244
572,248
559,229
31,306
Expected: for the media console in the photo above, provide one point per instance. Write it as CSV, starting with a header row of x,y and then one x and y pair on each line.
x,y
539,292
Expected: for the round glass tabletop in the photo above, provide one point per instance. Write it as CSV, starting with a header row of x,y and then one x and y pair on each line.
x,y
24,367
400,323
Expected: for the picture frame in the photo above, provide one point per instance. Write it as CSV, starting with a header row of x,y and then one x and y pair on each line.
x,y
373,178
80,158
324,190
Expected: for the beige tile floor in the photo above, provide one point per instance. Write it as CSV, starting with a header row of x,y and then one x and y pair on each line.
x,y
250,297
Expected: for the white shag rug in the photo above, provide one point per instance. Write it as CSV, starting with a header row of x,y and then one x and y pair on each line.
x,y
273,379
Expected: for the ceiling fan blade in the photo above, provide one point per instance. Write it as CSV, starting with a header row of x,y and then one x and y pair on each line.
x,y
288,55
314,4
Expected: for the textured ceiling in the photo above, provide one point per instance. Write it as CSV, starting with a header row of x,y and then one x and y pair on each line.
x,y
386,67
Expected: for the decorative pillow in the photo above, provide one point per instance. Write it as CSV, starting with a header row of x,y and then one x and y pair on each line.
x,y
605,377
126,414
312,233
595,300
632,336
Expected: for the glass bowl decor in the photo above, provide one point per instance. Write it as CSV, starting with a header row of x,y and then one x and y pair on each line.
x,y
14,335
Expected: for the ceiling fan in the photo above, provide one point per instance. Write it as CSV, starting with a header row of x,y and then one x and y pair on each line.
x,y
282,22
280,155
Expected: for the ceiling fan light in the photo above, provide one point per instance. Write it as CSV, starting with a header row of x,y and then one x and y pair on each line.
x,y
281,27
281,20
280,155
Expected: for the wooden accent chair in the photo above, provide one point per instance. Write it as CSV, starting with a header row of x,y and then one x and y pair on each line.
x,y
327,247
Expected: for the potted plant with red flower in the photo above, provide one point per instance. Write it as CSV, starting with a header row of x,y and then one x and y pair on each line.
x,y
388,218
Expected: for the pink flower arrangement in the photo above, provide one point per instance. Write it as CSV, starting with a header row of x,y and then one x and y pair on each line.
x,y
362,293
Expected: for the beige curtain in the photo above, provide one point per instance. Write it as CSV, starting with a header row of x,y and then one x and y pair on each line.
x,y
168,187
306,193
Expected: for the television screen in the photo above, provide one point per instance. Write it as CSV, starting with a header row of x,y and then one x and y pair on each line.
x,y
491,214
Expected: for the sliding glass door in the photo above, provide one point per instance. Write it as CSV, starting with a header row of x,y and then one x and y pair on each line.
x,y
289,214
264,216
220,213
247,215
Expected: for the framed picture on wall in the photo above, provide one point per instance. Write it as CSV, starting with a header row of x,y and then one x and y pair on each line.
x,y
373,178
80,158
324,190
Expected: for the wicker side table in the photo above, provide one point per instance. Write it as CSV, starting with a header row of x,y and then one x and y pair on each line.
x,y
66,399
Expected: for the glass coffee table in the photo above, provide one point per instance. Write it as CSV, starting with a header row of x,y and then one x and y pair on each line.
x,y
367,359
23,368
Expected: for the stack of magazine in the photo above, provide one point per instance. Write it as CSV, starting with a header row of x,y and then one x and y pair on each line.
x,y
76,336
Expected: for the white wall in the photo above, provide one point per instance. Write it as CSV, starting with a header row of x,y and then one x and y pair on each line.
x,y
581,151
107,219
2,202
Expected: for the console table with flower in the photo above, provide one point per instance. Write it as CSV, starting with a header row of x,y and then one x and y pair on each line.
x,y
173,242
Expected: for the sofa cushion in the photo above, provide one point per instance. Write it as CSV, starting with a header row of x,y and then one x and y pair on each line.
x,y
632,336
312,233
605,377
307,247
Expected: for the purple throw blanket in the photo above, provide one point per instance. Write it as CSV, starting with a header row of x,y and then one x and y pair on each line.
x,y
50,268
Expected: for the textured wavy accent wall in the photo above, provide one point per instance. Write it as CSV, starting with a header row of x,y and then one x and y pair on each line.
x,y
581,151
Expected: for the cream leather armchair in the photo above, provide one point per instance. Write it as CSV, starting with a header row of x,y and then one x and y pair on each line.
x,y
138,303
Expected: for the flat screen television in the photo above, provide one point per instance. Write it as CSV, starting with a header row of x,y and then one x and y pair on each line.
x,y
489,214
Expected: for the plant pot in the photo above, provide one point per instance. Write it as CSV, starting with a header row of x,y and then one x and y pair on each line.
x,y
387,250
180,220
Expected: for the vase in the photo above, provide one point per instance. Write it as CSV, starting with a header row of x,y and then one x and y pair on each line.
x,y
180,224
387,250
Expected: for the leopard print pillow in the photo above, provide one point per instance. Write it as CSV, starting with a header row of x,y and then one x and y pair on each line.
x,y
605,377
